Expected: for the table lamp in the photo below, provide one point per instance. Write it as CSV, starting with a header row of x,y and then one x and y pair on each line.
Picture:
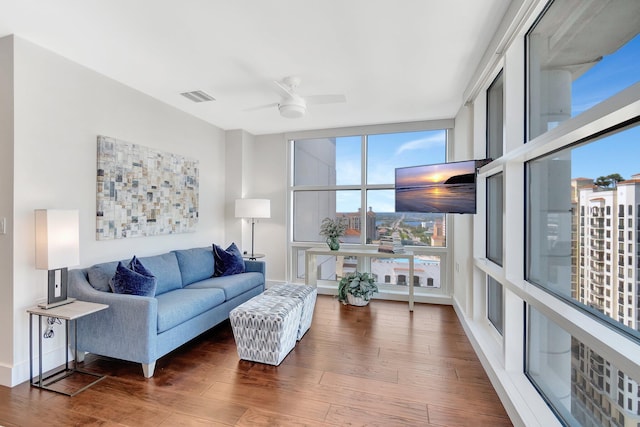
x,y
57,247
253,208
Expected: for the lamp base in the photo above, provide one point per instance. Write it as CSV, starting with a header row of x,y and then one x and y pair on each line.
x,y
47,306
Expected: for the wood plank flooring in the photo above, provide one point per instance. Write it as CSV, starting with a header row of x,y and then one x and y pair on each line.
x,y
357,366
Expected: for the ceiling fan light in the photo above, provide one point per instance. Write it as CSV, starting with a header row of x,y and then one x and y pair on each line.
x,y
292,111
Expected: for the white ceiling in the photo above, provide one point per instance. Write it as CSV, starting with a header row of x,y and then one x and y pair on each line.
x,y
394,60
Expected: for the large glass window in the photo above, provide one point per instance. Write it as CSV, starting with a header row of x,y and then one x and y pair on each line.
x,y
327,161
495,304
495,118
386,152
495,204
317,205
580,282
579,54
354,177
577,248
583,387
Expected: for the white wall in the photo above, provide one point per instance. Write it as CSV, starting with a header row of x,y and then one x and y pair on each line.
x,y
6,203
269,180
462,149
60,108
237,144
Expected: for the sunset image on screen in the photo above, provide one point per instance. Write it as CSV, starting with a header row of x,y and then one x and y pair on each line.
x,y
445,187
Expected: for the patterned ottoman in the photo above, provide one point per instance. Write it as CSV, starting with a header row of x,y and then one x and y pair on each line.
x,y
265,328
306,294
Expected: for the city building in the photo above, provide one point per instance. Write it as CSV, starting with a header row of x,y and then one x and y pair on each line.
x,y
607,245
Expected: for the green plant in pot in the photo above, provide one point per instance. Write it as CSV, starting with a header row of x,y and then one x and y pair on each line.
x,y
332,230
357,288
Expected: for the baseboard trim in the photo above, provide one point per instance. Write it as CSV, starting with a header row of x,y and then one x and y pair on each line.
x,y
393,296
11,376
6,376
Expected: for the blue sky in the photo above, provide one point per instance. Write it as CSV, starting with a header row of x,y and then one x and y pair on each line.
x,y
386,153
618,153
608,77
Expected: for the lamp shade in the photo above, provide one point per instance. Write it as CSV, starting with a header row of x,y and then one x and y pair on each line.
x,y
57,238
253,208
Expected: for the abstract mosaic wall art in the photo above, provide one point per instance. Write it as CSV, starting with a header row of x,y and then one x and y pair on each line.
x,y
143,192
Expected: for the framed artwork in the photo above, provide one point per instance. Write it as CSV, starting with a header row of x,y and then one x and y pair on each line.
x,y
143,192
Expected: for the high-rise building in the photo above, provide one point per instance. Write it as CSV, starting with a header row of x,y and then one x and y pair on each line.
x,y
605,278
438,238
354,226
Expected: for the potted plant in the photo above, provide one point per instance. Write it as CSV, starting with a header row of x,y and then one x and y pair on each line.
x,y
356,288
332,230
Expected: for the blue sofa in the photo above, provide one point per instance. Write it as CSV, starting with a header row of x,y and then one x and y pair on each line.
x,y
188,301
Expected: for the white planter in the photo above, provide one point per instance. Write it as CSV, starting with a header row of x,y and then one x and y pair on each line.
x,y
356,300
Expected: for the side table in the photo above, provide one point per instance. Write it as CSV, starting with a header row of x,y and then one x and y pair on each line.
x,y
70,313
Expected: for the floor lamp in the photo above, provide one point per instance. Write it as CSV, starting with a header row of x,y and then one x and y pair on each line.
x,y
253,208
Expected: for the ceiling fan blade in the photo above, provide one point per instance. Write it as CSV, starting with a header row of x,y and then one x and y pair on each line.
x,y
283,90
261,107
325,99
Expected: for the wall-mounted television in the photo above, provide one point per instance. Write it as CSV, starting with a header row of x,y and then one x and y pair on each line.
x,y
438,188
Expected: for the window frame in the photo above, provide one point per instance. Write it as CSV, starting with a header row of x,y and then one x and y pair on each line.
x,y
422,294
499,78
606,320
499,330
506,357
499,233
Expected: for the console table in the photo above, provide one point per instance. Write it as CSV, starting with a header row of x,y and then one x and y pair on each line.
x,y
311,274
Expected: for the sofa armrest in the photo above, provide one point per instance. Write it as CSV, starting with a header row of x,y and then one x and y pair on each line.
x,y
126,330
255,266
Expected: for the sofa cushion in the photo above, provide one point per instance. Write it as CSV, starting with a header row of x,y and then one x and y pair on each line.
x,y
180,305
227,261
100,274
133,279
165,268
195,264
233,285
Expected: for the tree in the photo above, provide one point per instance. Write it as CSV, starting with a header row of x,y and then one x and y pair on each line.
x,y
615,178
608,181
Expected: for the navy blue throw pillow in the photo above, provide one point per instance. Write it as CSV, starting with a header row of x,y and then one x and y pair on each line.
x,y
229,261
133,279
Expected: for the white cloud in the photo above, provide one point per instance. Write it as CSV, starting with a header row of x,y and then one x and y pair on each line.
x,y
434,141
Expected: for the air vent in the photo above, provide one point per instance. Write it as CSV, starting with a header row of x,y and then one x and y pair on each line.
x,y
198,96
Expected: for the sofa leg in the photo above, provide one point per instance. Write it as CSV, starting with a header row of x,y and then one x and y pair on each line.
x,y
148,368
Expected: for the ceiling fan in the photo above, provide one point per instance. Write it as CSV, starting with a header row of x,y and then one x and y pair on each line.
x,y
292,105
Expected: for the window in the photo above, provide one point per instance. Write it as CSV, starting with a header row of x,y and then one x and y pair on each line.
x,y
494,217
549,237
495,303
318,205
495,118
354,177
572,66
571,69
332,177
555,365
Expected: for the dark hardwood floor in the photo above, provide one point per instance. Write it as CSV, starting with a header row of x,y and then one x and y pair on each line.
x,y
377,365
